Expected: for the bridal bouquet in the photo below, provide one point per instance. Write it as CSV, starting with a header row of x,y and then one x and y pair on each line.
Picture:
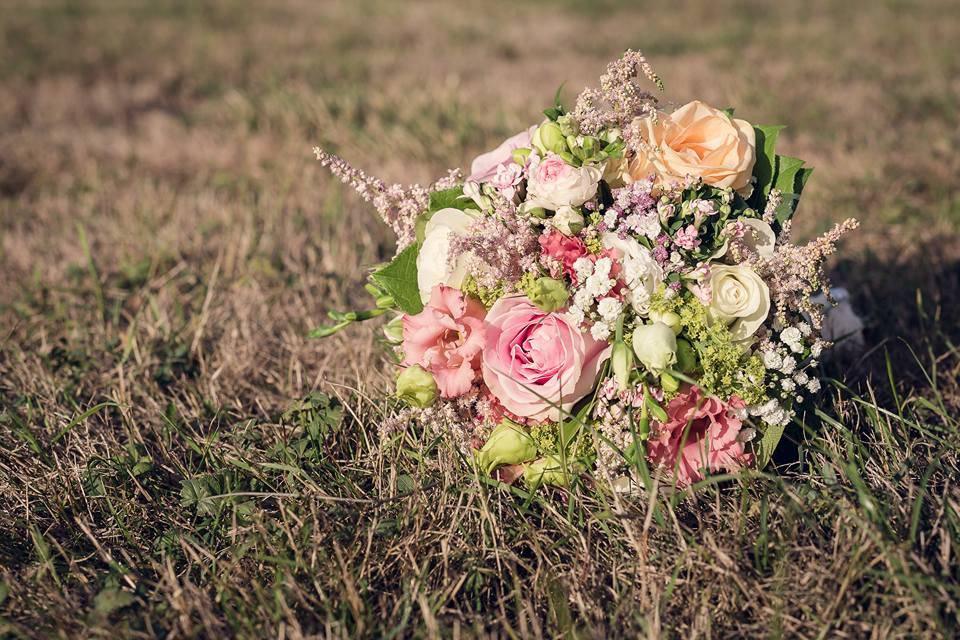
x,y
613,288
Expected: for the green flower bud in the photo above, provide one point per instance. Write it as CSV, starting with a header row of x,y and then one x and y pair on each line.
x,y
668,383
549,470
520,155
655,345
686,356
589,146
548,294
568,221
569,158
538,212
621,359
393,330
568,125
548,137
509,443
416,387
668,318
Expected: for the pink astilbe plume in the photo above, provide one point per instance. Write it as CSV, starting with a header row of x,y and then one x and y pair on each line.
x,y
619,99
397,204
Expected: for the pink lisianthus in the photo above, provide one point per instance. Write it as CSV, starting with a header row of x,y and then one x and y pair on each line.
x,y
507,178
537,363
485,166
701,434
446,339
687,238
564,249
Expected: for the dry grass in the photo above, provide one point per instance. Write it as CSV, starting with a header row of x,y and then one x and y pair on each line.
x,y
166,465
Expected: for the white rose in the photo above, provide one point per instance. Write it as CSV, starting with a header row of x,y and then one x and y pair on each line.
x,y
433,266
655,345
568,221
641,273
552,183
739,297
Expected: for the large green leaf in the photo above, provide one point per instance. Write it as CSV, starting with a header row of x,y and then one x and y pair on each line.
x,y
768,444
765,167
449,198
399,280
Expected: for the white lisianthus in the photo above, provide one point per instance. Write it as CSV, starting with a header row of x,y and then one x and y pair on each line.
x,y
568,221
641,273
655,345
552,183
433,261
739,297
759,236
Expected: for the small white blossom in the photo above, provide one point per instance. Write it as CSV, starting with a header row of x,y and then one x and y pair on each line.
x,y
609,308
583,267
790,335
789,365
813,386
610,219
600,330
801,378
576,315
772,360
804,329
788,385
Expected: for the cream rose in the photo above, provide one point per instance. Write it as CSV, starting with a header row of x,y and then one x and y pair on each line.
x,y
697,140
433,261
552,183
739,297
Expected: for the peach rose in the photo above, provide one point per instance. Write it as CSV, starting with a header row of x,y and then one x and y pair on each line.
x,y
696,140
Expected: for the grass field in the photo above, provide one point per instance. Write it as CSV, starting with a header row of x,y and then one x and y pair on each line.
x,y
178,459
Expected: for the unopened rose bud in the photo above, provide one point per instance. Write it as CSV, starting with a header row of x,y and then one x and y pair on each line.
x,y
655,345
549,470
509,443
416,387
568,125
568,221
520,155
686,356
668,318
548,294
668,383
393,330
621,359
548,137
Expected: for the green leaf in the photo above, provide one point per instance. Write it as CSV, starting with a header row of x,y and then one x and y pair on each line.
x,y
448,198
556,97
405,484
768,444
399,279
787,170
790,172
765,168
111,599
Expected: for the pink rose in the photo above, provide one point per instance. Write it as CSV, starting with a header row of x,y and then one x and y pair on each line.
x,y
446,339
701,434
552,183
484,167
536,363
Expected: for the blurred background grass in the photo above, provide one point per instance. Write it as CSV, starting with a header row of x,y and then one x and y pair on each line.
x,y
167,239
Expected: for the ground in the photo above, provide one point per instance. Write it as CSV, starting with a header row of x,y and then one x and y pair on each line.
x,y
178,458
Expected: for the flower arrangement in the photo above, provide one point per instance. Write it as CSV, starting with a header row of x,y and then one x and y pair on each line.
x,y
613,288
